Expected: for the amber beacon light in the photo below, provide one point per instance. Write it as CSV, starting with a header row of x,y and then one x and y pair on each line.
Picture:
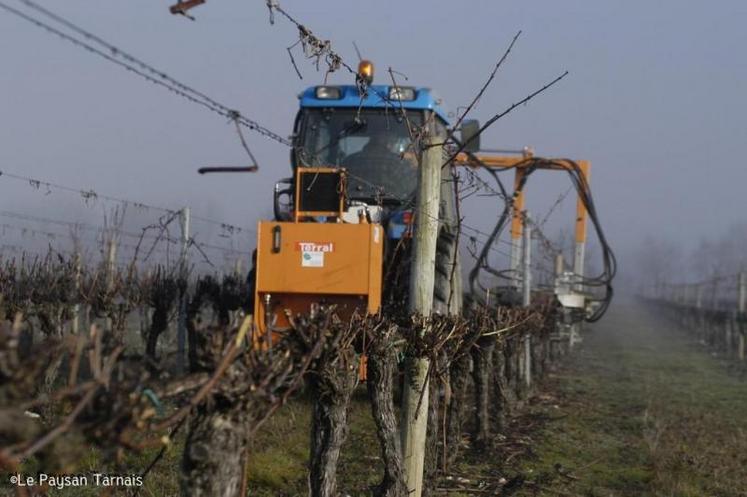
x,y
366,71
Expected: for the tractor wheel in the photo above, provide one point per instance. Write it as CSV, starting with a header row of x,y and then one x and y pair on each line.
x,y
444,297
444,292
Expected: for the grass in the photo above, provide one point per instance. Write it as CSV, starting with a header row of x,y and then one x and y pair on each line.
x,y
280,469
642,410
639,409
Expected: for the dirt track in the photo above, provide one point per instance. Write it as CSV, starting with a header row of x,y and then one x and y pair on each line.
x,y
641,409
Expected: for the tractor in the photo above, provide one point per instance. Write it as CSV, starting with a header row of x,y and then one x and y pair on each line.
x,y
343,220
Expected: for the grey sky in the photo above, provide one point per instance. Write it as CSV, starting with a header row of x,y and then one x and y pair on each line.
x,y
655,99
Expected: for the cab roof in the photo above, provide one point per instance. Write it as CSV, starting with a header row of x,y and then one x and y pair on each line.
x,y
377,98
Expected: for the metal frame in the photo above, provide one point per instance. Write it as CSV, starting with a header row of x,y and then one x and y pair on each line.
x,y
521,163
298,214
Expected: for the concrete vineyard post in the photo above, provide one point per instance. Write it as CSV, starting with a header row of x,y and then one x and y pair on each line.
x,y
181,330
527,296
741,308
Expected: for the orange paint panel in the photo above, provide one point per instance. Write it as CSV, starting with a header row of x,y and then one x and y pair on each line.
x,y
495,161
375,267
581,213
517,224
302,264
316,258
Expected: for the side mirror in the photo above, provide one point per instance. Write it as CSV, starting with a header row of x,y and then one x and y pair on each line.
x,y
470,134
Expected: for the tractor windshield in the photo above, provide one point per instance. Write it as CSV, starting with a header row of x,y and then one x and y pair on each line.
x,y
373,145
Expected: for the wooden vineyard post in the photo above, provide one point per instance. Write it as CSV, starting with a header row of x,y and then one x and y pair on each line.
x,y
422,278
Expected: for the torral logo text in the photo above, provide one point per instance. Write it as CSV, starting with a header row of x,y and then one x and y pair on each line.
x,y
315,247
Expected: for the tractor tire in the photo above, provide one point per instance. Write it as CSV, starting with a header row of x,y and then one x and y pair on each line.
x,y
444,291
447,288
447,296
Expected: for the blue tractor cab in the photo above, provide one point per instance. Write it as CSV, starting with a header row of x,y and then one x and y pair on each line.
x,y
367,130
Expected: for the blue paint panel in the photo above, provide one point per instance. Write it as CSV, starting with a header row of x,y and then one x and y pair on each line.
x,y
377,98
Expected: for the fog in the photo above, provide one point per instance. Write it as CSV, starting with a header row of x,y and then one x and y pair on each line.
x,y
654,100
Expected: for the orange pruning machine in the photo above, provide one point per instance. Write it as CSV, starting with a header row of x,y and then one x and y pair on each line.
x,y
321,255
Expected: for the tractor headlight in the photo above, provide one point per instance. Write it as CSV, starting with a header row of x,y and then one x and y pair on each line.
x,y
328,93
401,93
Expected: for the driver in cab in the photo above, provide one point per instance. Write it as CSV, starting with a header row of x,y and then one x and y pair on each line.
x,y
377,159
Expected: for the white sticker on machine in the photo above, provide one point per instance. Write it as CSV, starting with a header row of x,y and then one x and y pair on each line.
x,y
312,259
312,253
